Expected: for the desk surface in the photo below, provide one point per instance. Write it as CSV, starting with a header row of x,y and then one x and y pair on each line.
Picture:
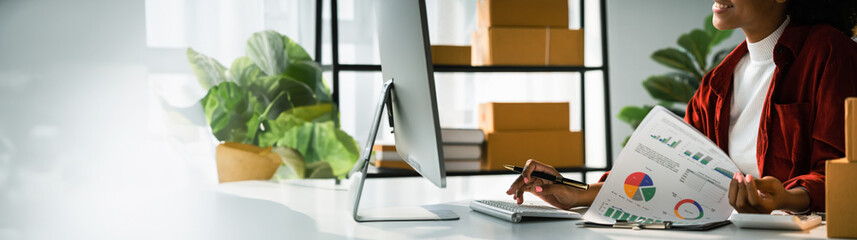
x,y
308,209
313,209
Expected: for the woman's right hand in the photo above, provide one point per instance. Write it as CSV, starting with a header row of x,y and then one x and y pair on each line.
x,y
558,195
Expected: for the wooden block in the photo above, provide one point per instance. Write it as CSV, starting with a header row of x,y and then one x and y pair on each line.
x,y
840,198
851,129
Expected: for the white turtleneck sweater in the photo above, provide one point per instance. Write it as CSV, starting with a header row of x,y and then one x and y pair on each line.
x,y
750,88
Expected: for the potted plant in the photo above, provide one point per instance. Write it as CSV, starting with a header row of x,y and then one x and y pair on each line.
x,y
674,90
272,101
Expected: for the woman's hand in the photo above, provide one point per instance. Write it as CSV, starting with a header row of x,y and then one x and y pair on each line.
x,y
558,195
748,195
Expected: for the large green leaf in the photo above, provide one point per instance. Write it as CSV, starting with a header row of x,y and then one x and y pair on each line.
x,y
303,68
685,78
668,88
228,109
292,93
294,51
319,170
309,73
244,71
316,141
267,51
625,142
293,167
335,147
676,59
708,25
719,56
296,94
717,36
283,131
634,115
697,43
677,111
313,113
208,71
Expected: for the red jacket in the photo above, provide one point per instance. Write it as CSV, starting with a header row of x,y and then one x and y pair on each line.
x,y
802,122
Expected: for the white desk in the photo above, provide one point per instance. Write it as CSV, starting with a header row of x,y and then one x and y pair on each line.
x,y
292,210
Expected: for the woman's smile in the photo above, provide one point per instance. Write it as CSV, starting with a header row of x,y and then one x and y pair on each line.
x,y
720,7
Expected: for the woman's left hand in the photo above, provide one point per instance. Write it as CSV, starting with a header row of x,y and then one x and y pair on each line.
x,y
749,195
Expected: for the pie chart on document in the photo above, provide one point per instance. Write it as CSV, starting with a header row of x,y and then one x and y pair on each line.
x,y
639,187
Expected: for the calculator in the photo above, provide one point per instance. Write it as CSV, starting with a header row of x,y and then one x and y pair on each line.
x,y
775,221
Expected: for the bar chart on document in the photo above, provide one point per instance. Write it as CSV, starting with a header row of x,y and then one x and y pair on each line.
x,y
667,172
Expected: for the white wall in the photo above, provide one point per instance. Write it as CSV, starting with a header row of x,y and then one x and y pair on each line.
x,y
81,139
635,30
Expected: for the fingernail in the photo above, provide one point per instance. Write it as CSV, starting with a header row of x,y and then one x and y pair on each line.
x,y
526,180
749,177
735,176
740,180
538,188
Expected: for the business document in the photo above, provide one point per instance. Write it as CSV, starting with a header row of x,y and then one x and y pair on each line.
x,y
668,171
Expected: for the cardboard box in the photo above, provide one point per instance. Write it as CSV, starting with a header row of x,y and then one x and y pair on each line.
x,y
560,149
450,55
522,13
531,46
840,198
851,129
495,117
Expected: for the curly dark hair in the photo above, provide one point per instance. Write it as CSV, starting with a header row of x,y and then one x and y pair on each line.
x,y
841,14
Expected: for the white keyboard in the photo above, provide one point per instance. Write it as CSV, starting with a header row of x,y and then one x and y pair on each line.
x,y
511,211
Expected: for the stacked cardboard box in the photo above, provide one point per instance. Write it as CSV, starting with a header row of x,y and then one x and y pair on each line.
x,y
450,55
515,32
840,182
515,132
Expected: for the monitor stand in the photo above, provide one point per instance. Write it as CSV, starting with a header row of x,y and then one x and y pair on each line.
x,y
358,177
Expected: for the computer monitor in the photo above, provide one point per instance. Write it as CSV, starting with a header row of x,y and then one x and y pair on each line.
x,y
409,97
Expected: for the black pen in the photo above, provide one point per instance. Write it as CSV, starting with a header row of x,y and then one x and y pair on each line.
x,y
549,177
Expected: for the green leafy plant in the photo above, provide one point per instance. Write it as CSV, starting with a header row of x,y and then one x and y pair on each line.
x,y
691,61
275,96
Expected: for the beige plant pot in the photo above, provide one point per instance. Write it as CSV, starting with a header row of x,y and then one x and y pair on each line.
x,y
239,162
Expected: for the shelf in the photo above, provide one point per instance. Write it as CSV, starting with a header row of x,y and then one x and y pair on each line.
x,y
336,67
464,68
408,173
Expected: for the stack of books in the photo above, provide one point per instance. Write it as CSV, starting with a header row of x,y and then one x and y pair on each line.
x,y
462,151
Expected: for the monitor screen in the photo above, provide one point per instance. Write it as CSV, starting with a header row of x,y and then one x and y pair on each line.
x,y
403,42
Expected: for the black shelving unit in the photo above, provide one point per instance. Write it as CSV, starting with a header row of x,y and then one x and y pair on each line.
x,y
336,68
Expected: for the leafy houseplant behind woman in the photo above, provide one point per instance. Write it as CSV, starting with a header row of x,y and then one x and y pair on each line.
x,y
692,63
269,105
